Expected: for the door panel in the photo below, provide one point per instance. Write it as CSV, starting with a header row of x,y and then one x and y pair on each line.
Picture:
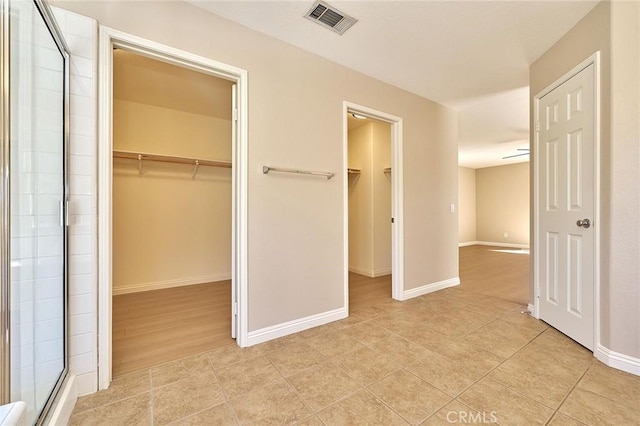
x,y
566,196
552,268
575,279
552,175
576,187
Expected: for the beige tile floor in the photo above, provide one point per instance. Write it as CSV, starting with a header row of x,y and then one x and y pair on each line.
x,y
440,359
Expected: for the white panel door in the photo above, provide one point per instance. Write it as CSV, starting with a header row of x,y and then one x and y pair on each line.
x,y
566,207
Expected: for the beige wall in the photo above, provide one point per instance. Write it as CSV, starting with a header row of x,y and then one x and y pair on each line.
x,y
360,202
612,29
466,205
296,234
170,229
381,142
370,200
622,332
158,130
502,204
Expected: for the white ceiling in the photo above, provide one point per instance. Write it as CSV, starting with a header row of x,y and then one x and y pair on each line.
x,y
494,128
472,56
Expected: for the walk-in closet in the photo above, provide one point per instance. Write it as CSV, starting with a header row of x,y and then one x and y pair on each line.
x,y
369,186
172,212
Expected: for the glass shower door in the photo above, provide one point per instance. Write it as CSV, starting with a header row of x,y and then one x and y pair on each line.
x,y
36,240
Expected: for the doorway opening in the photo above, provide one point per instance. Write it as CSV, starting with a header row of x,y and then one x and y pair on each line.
x,y
369,177
493,224
168,162
172,149
373,207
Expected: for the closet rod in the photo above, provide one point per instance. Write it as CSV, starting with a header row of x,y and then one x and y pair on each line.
x,y
170,159
267,169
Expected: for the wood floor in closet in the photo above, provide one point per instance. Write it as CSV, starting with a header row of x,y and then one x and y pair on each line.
x,y
154,327
365,291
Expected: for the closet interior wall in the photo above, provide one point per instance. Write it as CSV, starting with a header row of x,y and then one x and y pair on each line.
x,y
370,199
171,223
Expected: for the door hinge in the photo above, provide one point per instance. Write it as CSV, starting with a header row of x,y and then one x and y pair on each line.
x,y
235,308
537,126
393,220
235,114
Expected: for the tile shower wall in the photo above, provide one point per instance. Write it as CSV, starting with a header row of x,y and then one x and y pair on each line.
x,y
81,35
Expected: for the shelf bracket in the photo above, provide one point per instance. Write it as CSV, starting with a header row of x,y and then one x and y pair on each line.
x,y
140,165
195,169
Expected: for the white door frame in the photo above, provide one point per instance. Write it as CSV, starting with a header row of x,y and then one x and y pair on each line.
x,y
110,38
595,60
397,209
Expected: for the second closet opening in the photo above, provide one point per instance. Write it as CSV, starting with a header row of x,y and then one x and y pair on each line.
x,y
369,192
172,212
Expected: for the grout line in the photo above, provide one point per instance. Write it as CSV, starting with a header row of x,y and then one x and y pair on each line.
x,y
419,378
304,401
575,385
151,403
513,390
227,401
195,413
384,403
110,402
494,368
595,361
366,387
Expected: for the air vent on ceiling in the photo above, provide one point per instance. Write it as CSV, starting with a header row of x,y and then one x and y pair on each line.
x,y
330,17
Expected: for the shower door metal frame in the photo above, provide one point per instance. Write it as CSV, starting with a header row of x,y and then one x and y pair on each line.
x,y
5,210
5,197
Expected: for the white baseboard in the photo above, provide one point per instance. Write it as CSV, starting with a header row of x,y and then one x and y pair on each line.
x,y
509,245
295,326
361,271
158,285
65,401
430,288
617,360
382,272
371,273
468,243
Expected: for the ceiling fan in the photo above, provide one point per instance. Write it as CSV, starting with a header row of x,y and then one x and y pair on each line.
x,y
525,152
